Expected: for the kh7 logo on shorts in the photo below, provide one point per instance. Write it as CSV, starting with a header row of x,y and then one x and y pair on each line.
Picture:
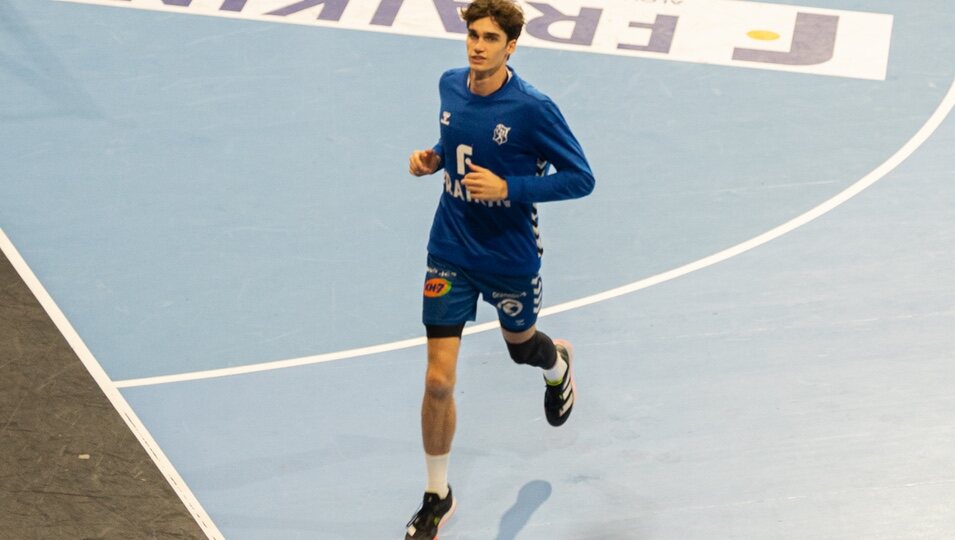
x,y
436,287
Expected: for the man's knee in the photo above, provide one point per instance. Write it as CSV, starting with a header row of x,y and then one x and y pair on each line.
x,y
439,385
442,362
538,351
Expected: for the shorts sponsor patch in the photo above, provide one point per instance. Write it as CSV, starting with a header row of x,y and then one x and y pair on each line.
x,y
436,287
510,307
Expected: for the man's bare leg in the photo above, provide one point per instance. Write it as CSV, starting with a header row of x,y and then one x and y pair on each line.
x,y
438,412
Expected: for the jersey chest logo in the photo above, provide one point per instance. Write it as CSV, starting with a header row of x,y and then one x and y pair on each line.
x,y
500,134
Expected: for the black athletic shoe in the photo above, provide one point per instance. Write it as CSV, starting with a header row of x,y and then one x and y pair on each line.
x,y
559,398
434,513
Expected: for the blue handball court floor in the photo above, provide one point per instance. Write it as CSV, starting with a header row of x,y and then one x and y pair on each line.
x,y
210,201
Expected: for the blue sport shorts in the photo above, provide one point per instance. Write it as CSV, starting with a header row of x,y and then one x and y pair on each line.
x,y
451,294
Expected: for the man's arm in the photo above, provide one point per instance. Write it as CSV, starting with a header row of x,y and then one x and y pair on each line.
x,y
558,146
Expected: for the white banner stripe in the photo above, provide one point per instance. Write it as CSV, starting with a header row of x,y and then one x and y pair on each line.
x,y
757,35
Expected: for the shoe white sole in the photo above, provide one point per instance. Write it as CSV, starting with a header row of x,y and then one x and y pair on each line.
x,y
454,506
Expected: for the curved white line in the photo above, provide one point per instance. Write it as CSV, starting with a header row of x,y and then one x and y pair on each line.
x,y
881,171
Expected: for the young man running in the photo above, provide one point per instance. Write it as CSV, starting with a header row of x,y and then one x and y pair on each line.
x,y
499,137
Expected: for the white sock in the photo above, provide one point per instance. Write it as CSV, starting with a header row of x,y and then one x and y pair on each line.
x,y
437,474
555,374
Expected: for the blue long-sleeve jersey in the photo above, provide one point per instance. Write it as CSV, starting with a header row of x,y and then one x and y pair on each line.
x,y
518,133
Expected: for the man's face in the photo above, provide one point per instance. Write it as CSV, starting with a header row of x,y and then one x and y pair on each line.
x,y
488,47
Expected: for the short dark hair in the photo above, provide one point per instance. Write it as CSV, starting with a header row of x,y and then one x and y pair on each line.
x,y
506,13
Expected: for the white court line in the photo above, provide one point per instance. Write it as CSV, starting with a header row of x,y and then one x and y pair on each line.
x,y
110,389
926,131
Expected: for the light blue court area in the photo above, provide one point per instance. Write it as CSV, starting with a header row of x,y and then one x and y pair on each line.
x,y
205,192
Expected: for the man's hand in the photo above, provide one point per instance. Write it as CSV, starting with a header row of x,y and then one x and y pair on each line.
x,y
484,185
423,162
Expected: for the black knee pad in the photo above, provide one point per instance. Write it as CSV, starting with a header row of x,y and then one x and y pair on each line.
x,y
538,351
